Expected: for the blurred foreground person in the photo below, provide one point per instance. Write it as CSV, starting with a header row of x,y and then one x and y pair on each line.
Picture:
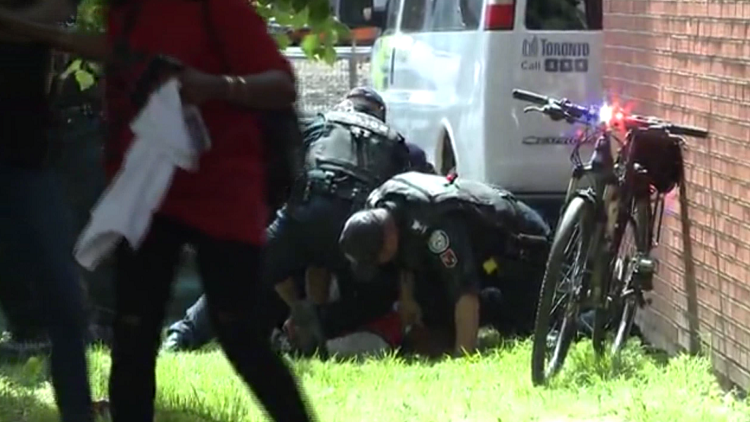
x,y
36,239
232,70
77,135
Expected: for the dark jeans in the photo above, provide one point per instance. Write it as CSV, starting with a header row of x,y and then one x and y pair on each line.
x,y
83,179
36,250
194,329
81,175
307,236
142,288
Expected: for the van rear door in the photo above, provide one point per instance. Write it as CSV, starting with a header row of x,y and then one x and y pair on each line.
x,y
558,52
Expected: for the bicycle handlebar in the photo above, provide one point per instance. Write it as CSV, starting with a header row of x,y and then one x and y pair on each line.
x,y
558,109
643,122
530,97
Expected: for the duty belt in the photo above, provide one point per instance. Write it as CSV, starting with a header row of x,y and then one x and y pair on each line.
x,y
336,184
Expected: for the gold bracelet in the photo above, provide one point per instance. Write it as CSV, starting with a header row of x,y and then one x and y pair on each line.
x,y
243,83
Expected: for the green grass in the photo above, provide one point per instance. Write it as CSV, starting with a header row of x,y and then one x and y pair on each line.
x,y
493,387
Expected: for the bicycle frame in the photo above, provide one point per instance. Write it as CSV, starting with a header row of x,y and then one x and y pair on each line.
x,y
600,171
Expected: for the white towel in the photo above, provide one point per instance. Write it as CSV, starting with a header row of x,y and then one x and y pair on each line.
x,y
162,143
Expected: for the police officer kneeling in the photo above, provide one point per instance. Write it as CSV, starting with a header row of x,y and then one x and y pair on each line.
x,y
458,237
304,235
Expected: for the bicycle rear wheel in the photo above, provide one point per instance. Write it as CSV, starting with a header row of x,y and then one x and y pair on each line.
x,y
627,292
559,298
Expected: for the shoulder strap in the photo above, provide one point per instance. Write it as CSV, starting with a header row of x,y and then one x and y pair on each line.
x,y
364,121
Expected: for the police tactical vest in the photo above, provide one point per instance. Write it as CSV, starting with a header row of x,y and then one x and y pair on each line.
x,y
431,196
359,145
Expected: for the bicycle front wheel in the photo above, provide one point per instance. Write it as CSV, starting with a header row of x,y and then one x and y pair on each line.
x,y
630,251
559,299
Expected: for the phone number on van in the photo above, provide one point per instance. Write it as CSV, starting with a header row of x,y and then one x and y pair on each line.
x,y
551,56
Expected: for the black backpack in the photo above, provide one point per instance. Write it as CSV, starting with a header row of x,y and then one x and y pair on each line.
x,y
433,196
360,146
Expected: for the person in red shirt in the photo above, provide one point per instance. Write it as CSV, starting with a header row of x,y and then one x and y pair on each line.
x,y
233,70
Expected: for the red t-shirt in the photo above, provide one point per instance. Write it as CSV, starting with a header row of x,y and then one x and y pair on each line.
x,y
225,198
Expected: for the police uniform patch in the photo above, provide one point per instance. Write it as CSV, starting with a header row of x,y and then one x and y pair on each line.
x,y
438,242
448,258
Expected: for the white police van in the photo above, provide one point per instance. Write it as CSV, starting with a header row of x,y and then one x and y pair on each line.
x,y
446,69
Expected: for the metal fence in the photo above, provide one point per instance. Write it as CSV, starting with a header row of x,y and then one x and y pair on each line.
x,y
322,85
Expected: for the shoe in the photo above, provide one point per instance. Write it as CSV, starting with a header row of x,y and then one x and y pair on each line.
x,y
280,342
175,342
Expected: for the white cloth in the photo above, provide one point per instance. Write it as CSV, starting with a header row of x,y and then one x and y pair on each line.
x,y
162,143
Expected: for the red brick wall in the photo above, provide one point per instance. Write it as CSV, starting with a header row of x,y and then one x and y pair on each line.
x,y
689,61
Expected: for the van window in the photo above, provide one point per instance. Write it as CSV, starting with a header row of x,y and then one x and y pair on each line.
x,y
564,15
393,8
414,16
454,15
471,11
351,12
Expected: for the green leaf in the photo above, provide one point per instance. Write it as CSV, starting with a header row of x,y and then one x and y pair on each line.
x,y
265,12
74,65
300,19
282,40
310,44
299,5
284,19
329,54
338,27
85,79
283,5
320,11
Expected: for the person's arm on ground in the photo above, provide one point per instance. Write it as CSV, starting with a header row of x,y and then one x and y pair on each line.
x,y
262,77
450,250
